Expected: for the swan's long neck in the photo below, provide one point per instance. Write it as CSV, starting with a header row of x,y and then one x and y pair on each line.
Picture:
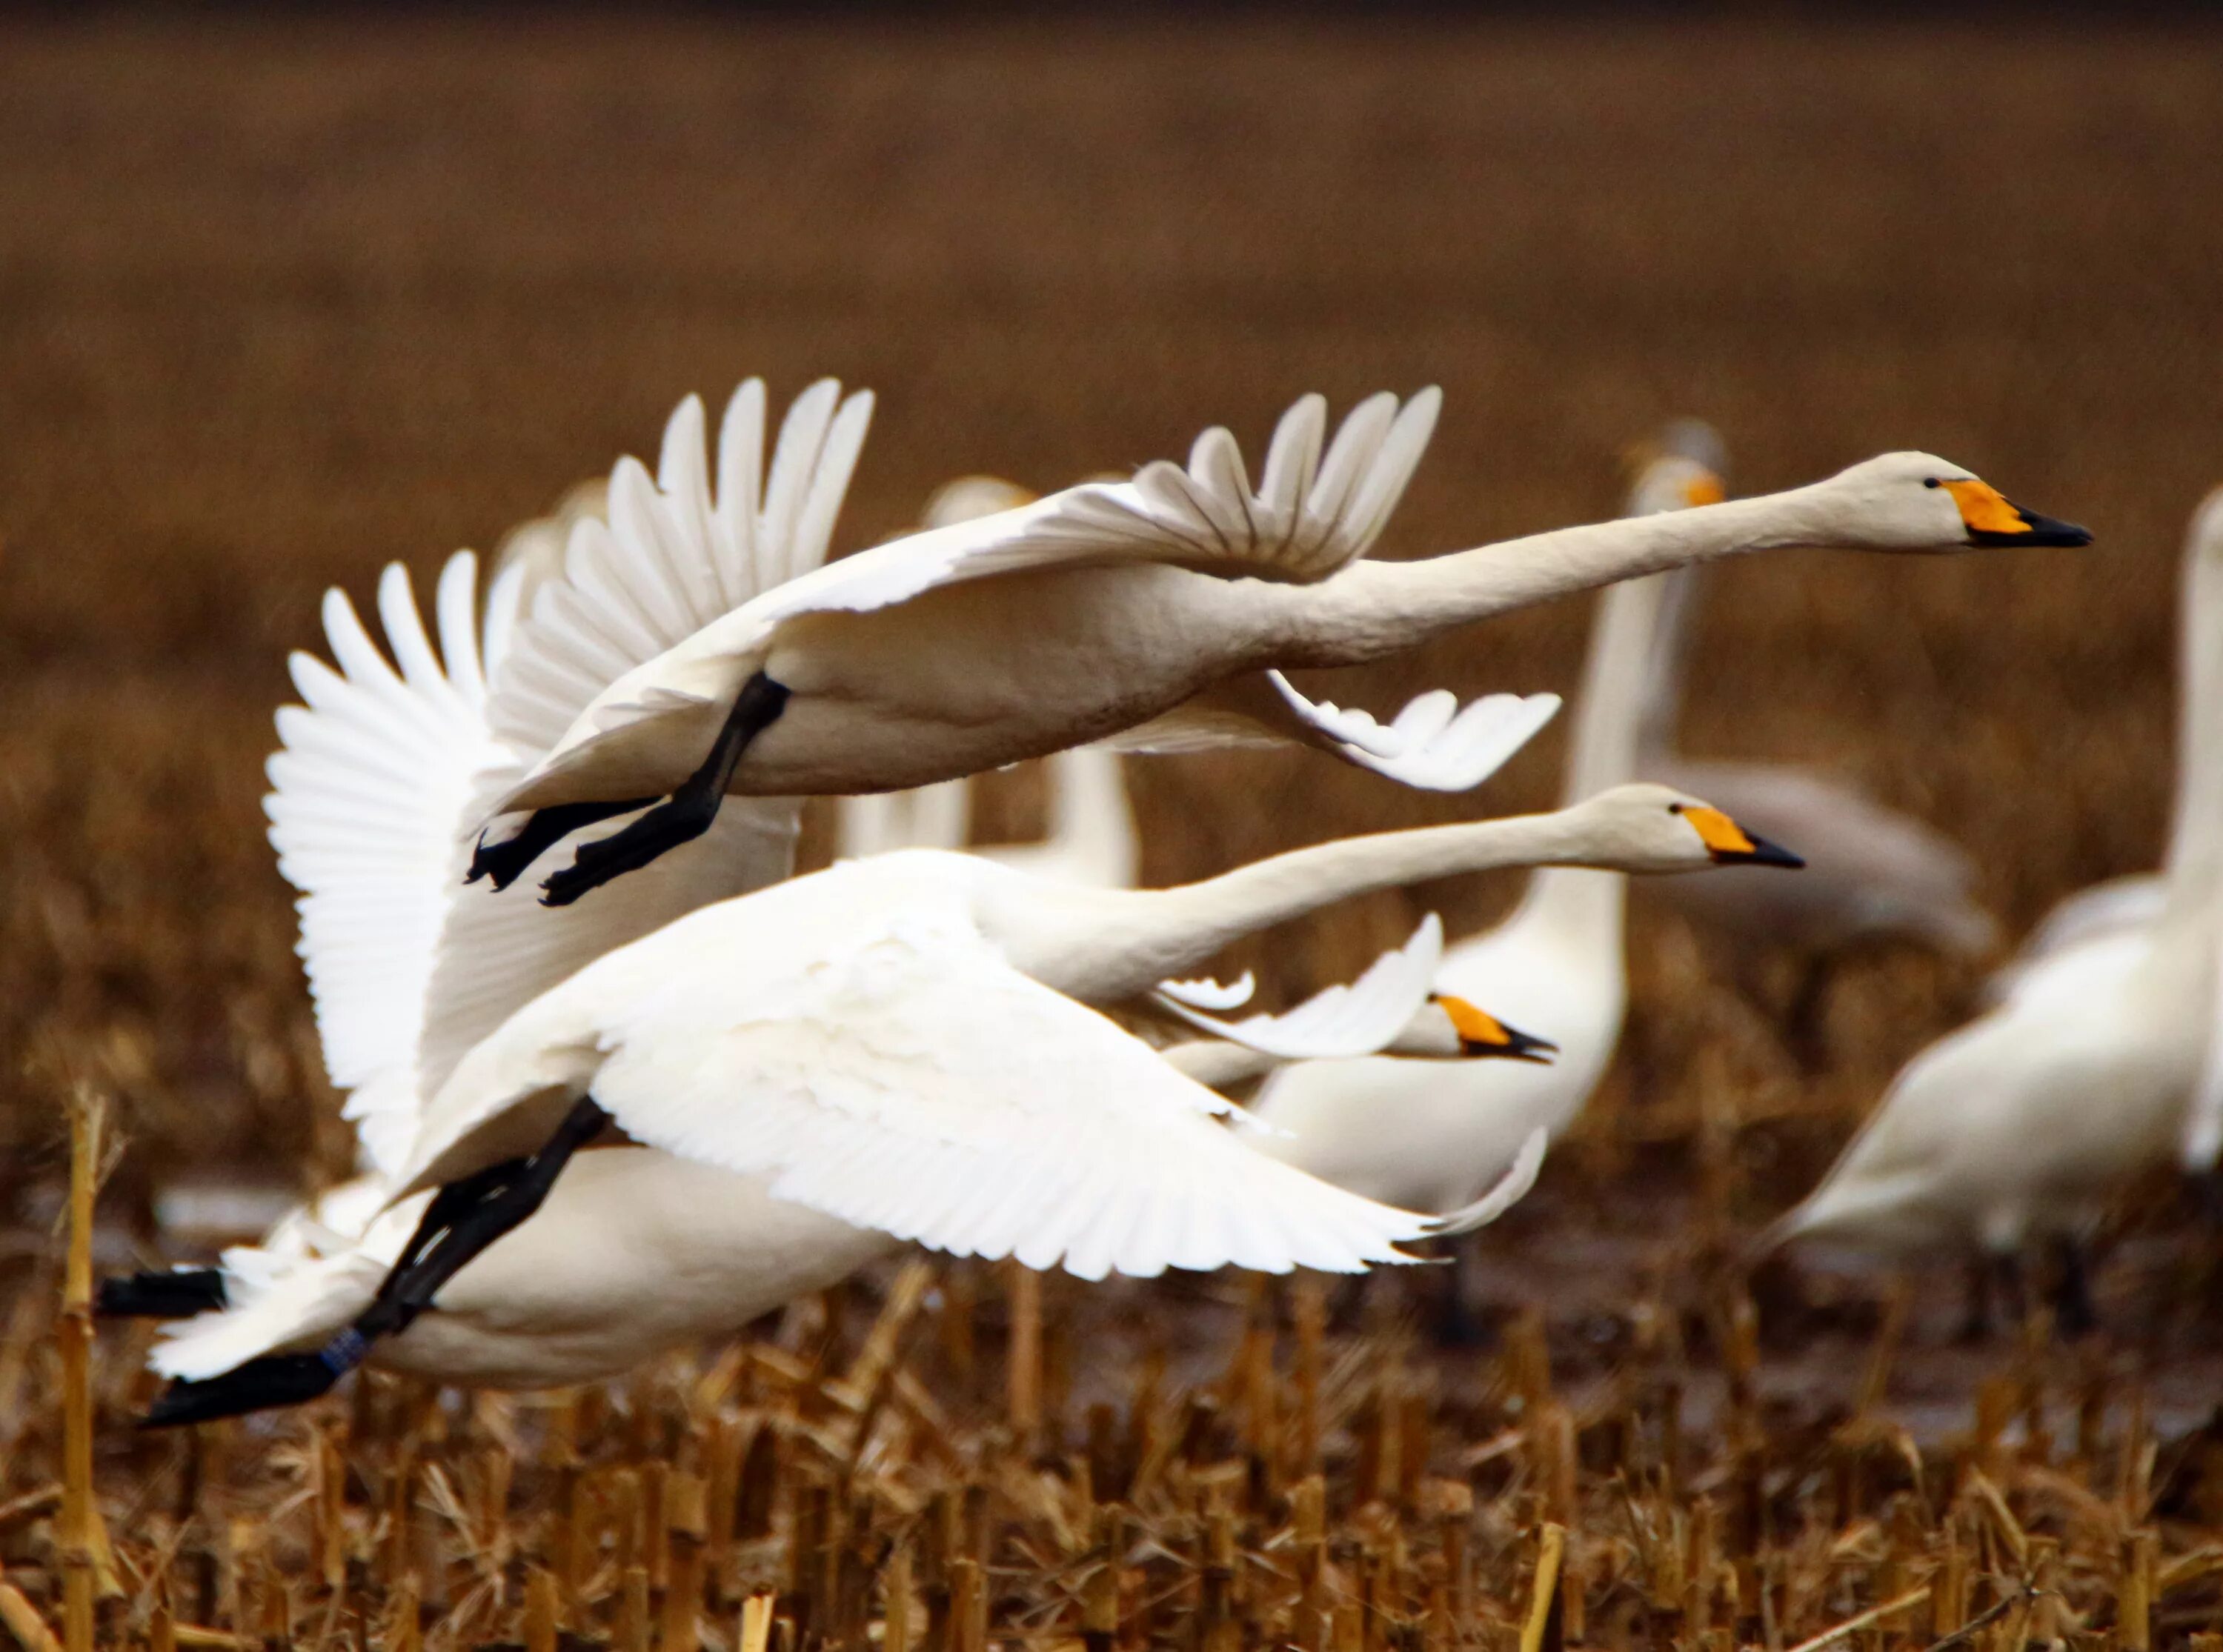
x,y
1374,608
1577,904
1090,819
1106,944
1662,702
2195,862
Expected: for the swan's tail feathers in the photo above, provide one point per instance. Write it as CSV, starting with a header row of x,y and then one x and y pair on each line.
x,y
1511,1189
260,1385
165,1293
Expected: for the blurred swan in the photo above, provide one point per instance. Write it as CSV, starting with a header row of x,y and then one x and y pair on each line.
x,y
1872,873
1159,610
2016,1128
1426,1134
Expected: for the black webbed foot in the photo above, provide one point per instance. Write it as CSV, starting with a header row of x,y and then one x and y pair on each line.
x,y
506,861
275,1380
683,817
162,1293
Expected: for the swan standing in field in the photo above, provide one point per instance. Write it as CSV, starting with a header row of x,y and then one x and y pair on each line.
x,y
1425,1133
2015,1128
905,1044
1873,874
1159,610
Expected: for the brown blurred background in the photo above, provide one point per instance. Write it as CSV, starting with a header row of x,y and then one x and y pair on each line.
x,y
283,299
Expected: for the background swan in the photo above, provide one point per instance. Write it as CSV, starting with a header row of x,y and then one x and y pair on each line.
x,y
1158,610
1423,1133
1873,874
2015,1127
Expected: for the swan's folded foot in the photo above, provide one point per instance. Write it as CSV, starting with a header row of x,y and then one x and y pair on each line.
x,y
683,817
259,1386
164,1293
466,1217
2075,1314
506,861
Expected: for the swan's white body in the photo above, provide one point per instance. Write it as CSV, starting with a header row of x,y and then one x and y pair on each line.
x,y
1155,610
1426,1134
1872,873
2019,1125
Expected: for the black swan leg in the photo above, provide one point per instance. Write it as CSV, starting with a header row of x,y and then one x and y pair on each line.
x,y
2075,1314
682,817
463,1219
506,861
164,1293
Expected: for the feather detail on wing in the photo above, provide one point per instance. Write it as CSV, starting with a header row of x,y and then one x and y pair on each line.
x,y
671,558
1338,1021
1311,514
375,769
1432,743
1510,1189
916,1084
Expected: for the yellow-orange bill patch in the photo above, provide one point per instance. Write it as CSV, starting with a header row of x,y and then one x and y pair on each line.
x,y
1473,1024
1985,509
1704,489
1718,832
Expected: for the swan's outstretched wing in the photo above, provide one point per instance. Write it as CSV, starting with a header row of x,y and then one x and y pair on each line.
x,y
376,768
1337,1022
671,558
1312,513
902,1076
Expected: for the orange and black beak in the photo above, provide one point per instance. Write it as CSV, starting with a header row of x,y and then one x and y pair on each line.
x,y
1730,844
1480,1034
1994,520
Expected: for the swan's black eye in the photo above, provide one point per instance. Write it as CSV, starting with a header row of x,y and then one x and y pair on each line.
x,y
1674,809
1929,481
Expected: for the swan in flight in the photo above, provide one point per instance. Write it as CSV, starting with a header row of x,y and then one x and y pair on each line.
x,y
1161,609
2013,1130
1873,874
908,1044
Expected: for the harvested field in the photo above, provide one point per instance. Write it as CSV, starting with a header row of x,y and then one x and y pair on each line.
x,y
283,299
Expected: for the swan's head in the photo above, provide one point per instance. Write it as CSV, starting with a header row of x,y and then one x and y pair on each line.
x,y
1674,482
1450,1025
1918,502
1648,828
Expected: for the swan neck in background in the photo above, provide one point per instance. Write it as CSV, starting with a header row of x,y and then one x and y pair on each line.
x,y
1661,705
2195,839
1090,817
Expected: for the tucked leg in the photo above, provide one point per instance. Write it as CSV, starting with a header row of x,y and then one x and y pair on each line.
x,y
682,817
463,1219
506,861
2075,1314
171,1293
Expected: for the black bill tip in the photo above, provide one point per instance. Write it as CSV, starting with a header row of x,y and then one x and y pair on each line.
x,y
2038,530
1762,853
1518,1046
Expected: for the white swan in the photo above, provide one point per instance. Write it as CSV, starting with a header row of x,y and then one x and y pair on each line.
x,y
1873,874
2016,1126
1157,609
891,1043
1425,1133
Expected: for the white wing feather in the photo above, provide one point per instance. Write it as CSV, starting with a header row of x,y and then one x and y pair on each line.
x,y
1342,1021
1432,743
